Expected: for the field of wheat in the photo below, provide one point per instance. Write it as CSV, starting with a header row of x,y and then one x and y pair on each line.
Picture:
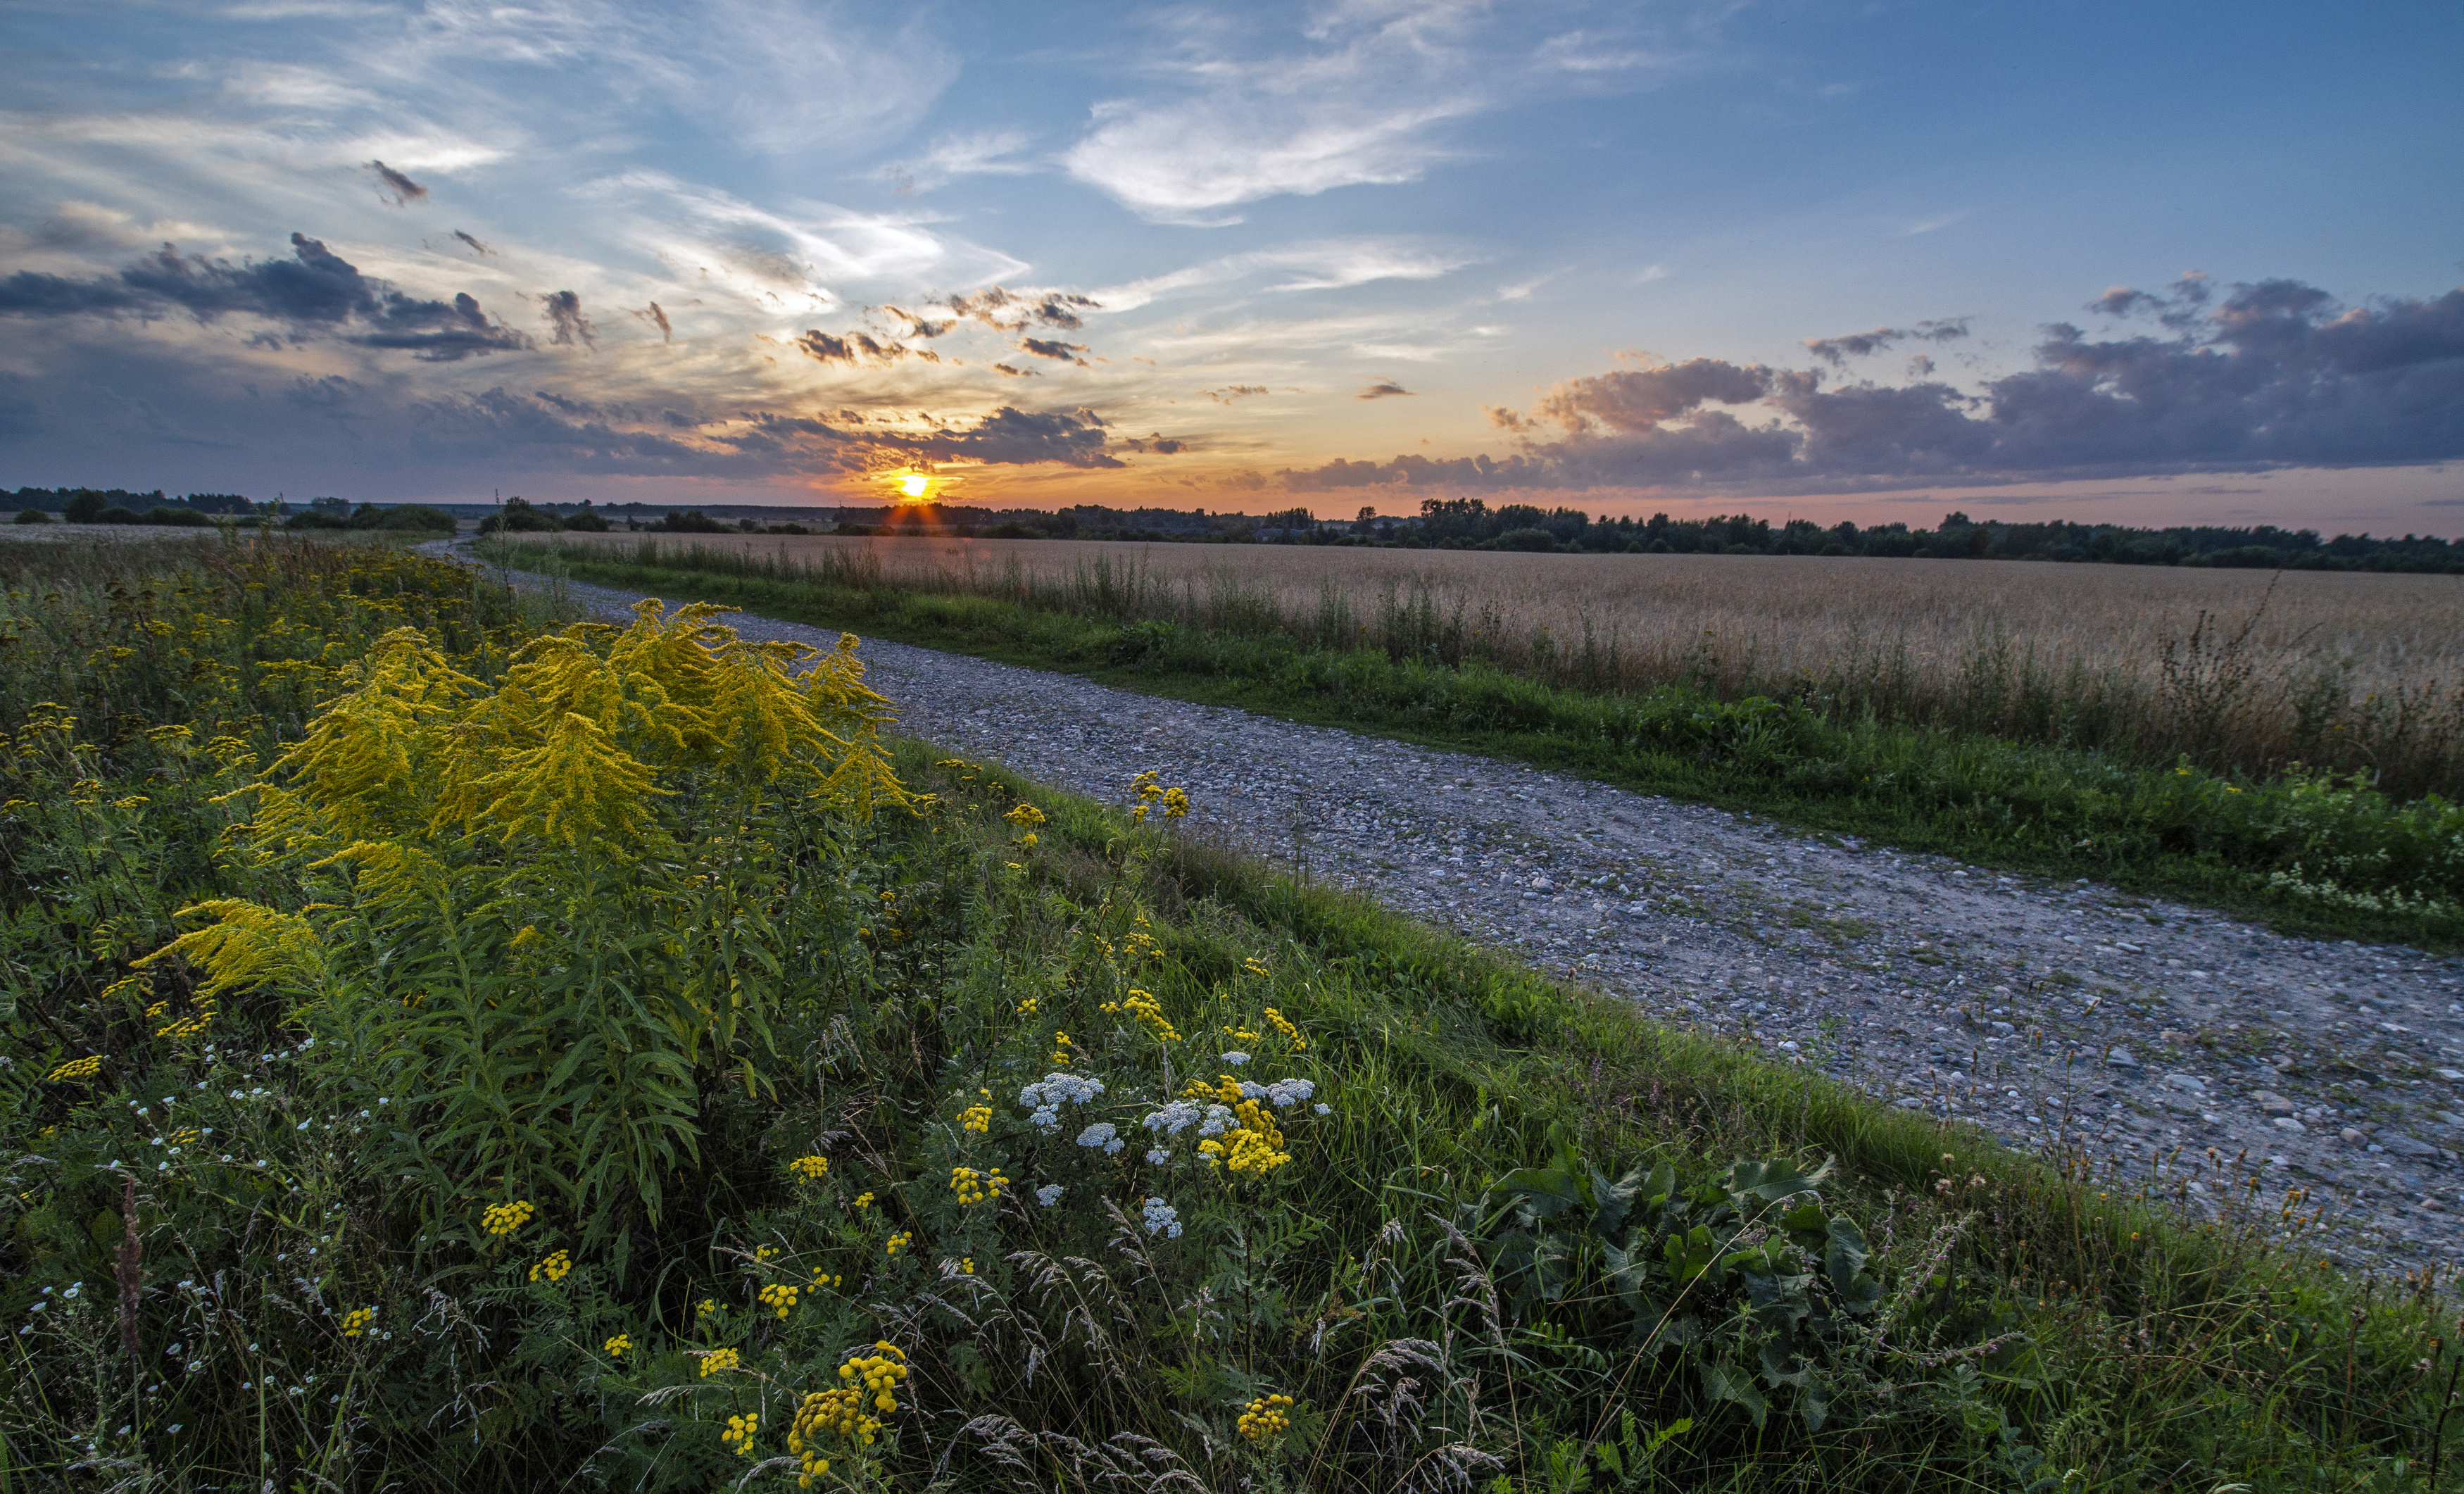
x,y
2240,669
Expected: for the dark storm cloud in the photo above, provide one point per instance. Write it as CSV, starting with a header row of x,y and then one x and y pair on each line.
x,y
1836,351
563,312
1047,347
2274,374
314,289
1015,438
392,184
1381,389
472,242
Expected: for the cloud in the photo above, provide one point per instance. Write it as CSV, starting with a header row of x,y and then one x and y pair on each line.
x,y
314,289
1314,264
1011,310
1381,389
1234,392
564,311
854,348
1047,347
1015,438
1014,373
1158,443
982,153
472,242
1836,351
392,184
658,318
2277,374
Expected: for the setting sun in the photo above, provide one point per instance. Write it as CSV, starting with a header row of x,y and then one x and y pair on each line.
x,y
914,485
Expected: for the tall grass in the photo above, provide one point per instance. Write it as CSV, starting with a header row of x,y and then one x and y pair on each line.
x,y
2241,670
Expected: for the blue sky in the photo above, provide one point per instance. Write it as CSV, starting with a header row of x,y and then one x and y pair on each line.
x,y
1841,261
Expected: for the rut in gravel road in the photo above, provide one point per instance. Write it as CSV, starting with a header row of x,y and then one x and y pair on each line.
x,y
2063,1017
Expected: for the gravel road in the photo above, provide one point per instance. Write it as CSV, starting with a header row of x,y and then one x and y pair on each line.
x,y
2056,1015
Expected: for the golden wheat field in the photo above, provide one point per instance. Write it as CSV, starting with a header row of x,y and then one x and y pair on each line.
x,y
2355,670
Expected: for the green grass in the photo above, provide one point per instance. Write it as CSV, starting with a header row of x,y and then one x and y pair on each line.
x,y
2316,856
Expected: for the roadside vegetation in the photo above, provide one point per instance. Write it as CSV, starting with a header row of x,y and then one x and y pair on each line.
x,y
445,1049
2023,764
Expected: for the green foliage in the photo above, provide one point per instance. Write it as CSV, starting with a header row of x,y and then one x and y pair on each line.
x,y
359,1166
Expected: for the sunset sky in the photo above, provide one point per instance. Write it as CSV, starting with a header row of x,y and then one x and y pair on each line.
x,y
2139,263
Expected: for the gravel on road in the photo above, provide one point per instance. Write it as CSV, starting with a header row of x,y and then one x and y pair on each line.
x,y
2063,1017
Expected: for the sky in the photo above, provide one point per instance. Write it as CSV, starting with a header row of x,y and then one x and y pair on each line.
x,y
2141,263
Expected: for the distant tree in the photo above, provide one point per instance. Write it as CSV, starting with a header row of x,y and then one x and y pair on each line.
x,y
85,506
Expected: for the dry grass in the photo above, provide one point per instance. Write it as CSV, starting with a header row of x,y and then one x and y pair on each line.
x,y
2237,668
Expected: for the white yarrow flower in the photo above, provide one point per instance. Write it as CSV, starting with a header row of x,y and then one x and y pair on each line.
x,y
1102,1134
1236,1058
1162,1219
1048,1195
1158,1155
1324,1109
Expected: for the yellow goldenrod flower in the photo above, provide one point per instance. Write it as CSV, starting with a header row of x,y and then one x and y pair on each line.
x,y
978,1118
780,1297
863,1200
1024,815
1277,1020
718,1360
76,1068
973,1187
898,1242
619,1347
812,1169
740,1430
356,1321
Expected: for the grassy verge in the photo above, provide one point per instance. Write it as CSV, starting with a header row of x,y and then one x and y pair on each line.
x,y
579,1069
2314,855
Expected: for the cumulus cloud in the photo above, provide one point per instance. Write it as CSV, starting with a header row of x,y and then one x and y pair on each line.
x,y
2276,373
401,190
314,289
1836,351
563,312
1381,389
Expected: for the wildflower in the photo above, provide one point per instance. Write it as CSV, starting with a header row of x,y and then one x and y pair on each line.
x,y
973,1187
1256,966
1061,1046
619,1347
1101,1134
1054,1091
1254,1148
1173,1118
718,1360
812,1169
1236,1058
1142,1008
528,936
1026,1008
1283,1025
779,1296
1161,1218
356,1321
1048,1195
1158,1156
898,1242
1285,1094
1265,1418
1176,803
554,1266
740,1431
503,1219
76,1068
1024,816
978,1118
966,1265
1323,1108
863,1200
708,1309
